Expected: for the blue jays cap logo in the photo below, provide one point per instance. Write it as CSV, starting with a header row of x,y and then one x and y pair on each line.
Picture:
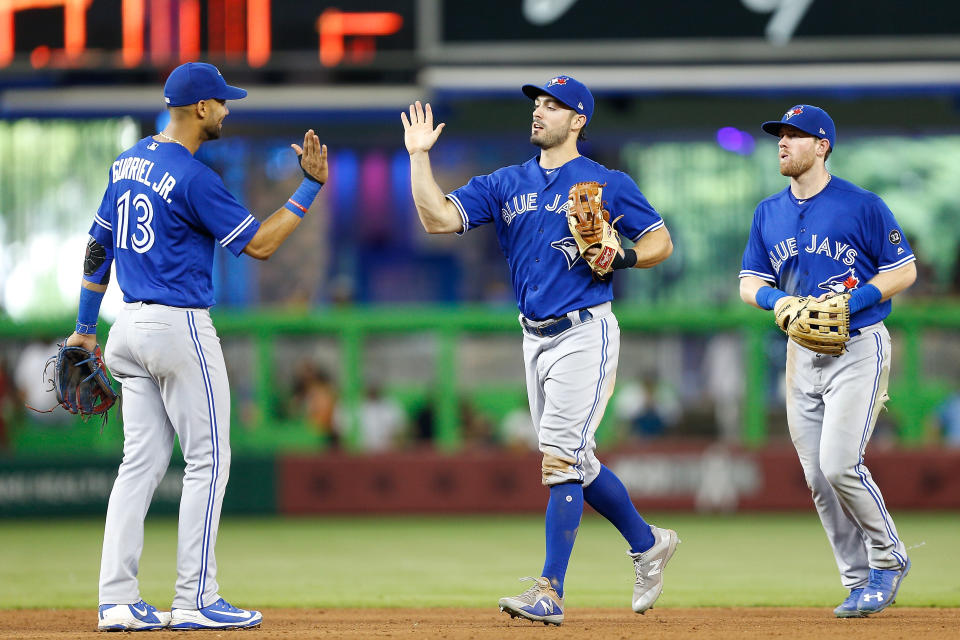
x,y
793,112
561,80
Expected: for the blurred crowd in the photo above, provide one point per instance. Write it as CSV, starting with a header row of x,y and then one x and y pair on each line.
x,y
704,402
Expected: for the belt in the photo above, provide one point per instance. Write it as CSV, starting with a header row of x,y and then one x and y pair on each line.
x,y
550,329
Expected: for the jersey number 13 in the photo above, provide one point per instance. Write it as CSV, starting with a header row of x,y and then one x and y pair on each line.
x,y
141,239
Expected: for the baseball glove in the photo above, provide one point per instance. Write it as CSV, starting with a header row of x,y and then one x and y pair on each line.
x,y
80,381
590,225
786,309
819,325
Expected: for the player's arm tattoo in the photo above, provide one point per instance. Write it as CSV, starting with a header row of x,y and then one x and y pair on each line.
x,y
96,265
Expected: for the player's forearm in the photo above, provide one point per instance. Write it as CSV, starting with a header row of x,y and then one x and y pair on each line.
x,y
653,248
272,233
88,310
749,285
92,286
437,214
890,283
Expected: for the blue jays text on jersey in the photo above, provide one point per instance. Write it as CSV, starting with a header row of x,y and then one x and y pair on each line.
x,y
528,204
161,214
832,242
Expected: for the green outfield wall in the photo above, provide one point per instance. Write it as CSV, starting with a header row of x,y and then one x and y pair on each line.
x,y
913,399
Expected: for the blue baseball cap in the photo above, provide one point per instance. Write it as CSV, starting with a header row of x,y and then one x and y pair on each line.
x,y
570,92
807,118
195,81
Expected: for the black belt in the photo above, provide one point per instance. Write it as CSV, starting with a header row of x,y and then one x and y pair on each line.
x,y
557,327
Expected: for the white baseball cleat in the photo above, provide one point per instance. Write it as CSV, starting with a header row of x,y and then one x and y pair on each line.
x,y
539,603
649,566
138,616
219,615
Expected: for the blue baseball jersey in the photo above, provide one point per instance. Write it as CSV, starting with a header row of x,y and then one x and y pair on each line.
x,y
528,205
835,241
161,214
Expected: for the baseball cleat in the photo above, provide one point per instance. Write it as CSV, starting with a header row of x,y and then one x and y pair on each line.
x,y
138,616
649,567
539,603
848,608
219,615
882,589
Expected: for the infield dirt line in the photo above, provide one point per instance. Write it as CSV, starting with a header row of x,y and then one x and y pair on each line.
x,y
595,624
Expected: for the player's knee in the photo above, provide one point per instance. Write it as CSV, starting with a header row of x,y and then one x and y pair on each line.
x,y
556,469
835,472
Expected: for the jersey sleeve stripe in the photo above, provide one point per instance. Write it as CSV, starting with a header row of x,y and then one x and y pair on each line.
x,y
103,223
769,277
656,225
237,231
896,265
463,214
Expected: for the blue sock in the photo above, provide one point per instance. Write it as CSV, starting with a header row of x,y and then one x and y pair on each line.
x,y
607,495
562,521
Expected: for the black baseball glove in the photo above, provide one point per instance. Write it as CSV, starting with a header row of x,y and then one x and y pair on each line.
x,y
80,381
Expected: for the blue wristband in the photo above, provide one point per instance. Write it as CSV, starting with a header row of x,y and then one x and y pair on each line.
x,y
767,297
303,197
89,310
863,297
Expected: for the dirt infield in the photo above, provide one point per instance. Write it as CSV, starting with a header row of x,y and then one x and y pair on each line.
x,y
596,624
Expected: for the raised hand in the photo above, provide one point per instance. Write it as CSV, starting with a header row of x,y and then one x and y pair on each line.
x,y
313,157
418,132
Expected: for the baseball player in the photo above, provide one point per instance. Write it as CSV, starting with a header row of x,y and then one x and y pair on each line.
x,y
822,236
162,212
571,338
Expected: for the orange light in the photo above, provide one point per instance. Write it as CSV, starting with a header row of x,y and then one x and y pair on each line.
x,y
362,49
6,35
258,32
40,57
133,12
160,48
74,25
334,25
233,28
189,34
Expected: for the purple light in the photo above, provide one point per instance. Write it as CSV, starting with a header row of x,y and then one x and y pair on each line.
x,y
732,139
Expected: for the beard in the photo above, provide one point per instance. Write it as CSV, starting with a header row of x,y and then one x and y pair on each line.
x,y
797,165
549,139
212,132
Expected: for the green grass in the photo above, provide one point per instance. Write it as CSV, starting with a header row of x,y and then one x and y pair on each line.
x,y
740,560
